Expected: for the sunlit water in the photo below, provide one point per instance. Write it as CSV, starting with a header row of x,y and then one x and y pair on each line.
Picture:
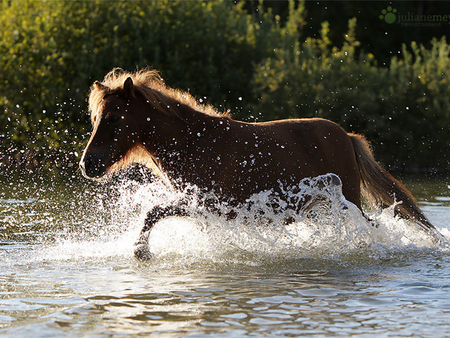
x,y
66,256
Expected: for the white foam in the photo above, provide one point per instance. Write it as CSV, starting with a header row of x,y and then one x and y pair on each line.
x,y
327,226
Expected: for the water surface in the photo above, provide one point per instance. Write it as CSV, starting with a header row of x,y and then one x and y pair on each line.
x,y
66,256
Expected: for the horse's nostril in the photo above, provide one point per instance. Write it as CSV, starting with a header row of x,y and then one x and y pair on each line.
x,y
91,163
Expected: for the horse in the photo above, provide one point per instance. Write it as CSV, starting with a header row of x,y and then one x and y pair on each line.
x,y
137,117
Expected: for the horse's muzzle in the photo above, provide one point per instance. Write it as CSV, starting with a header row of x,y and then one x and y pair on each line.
x,y
92,166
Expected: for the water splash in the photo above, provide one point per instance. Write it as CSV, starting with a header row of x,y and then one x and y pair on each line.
x,y
315,221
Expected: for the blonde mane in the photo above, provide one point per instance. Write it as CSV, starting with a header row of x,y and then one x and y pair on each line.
x,y
151,86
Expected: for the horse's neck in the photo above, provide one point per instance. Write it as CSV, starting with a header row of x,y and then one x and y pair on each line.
x,y
197,122
174,140
169,133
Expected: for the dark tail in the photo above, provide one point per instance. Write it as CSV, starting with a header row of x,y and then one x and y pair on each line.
x,y
381,188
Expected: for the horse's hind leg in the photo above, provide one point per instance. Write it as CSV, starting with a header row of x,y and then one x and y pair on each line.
x,y
142,250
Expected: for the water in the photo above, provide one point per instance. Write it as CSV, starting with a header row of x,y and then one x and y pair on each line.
x,y
66,256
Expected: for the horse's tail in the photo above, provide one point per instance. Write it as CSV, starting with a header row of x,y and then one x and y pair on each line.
x,y
381,188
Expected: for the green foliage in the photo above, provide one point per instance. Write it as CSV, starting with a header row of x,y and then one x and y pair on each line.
x,y
403,110
52,51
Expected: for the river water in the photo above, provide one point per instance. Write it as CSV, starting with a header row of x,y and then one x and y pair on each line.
x,y
67,267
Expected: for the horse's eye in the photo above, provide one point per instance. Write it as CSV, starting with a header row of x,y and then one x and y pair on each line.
x,y
114,119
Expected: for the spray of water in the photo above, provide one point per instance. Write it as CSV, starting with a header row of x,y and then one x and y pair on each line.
x,y
314,221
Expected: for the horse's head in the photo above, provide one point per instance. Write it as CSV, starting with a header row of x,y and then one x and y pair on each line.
x,y
117,128
135,116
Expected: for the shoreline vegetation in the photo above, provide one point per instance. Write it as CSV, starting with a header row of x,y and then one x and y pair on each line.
x,y
256,61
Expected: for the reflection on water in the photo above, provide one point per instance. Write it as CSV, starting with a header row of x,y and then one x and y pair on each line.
x,y
66,256
125,297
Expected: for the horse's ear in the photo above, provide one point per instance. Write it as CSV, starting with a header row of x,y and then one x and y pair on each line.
x,y
128,87
99,86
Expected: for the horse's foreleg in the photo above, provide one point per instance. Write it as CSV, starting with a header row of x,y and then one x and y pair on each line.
x,y
142,250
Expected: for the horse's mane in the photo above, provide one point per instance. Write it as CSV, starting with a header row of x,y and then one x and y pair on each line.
x,y
151,86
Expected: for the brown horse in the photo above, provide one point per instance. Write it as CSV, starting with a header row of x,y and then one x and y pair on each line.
x,y
137,115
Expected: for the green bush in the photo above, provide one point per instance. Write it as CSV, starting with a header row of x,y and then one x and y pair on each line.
x,y
402,110
252,64
51,52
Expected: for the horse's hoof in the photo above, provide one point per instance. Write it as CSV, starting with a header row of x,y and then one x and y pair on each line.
x,y
142,252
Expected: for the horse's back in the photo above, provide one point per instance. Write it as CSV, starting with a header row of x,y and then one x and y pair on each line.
x,y
312,137
306,127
